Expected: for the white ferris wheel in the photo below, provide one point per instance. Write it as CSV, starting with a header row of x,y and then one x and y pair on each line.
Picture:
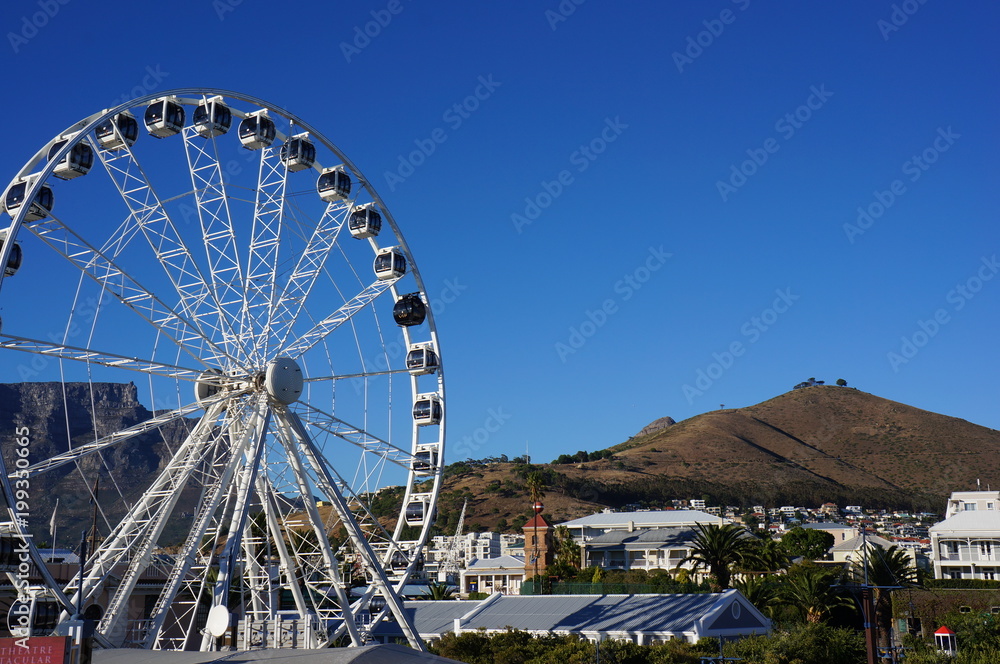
x,y
275,326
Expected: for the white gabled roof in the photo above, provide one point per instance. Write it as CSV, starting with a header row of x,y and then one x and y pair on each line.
x,y
970,521
503,562
688,616
657,519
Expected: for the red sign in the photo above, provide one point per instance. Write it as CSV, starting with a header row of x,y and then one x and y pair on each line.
x,y
35,650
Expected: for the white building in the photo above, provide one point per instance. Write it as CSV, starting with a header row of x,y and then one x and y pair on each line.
x,y
966,545
646,548
511,544
469,546
588,527
503,575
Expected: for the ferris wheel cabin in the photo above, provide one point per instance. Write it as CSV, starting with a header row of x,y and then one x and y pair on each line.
x,y
428,409
257,131
13,260
39,208
425,460
212,118
417,509
34,616
421,359
365,222
334,184
118,132
409,310
390,263
164,118
298,153
78,161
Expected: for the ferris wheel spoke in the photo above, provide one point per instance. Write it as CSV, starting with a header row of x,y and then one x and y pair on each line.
x,y
184,332
198,301
307,270
336,319
218,236
357,436
66,352
297,442
363,511
117,437
262,272
132,541
364,374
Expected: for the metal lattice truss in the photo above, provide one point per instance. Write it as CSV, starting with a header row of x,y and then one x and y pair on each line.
x,y
169,271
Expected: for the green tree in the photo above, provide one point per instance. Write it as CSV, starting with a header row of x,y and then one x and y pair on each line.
x,y
841,382
720,549
807,542
567,553
806,643
813,591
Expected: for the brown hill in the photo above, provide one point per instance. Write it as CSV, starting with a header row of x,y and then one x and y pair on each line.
x,y
809,446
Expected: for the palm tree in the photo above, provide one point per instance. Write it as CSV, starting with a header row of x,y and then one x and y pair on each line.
x,y
886,569
814,591
536,485
765,556
762,591
720,549
440,591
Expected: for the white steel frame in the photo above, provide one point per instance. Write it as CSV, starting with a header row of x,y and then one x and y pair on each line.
x,y
222,308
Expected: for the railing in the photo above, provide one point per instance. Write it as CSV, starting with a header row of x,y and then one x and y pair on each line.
x,y
968,555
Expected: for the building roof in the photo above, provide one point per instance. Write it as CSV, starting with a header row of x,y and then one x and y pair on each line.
x,y
378,654
973,520
537,521
503,562
688,616
827,526
652,519
855,543
643,538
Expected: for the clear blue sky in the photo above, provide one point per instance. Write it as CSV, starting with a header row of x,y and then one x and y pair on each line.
x,y
649,256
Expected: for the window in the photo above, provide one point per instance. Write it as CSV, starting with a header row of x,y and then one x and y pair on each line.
x,y
969,507
986,549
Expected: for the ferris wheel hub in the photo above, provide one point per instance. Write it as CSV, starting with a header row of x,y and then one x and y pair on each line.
x,y
283,380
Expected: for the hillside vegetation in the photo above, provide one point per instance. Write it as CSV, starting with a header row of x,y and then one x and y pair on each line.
x,y
806,447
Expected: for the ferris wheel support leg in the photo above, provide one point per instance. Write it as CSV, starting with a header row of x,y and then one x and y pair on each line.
x,y
259,603
227,560
371,560
209,502
289,435
134,537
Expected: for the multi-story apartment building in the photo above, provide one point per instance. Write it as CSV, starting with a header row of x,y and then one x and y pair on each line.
x,y
966,545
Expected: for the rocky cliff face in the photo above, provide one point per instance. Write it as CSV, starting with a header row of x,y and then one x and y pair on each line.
x,y
61,416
